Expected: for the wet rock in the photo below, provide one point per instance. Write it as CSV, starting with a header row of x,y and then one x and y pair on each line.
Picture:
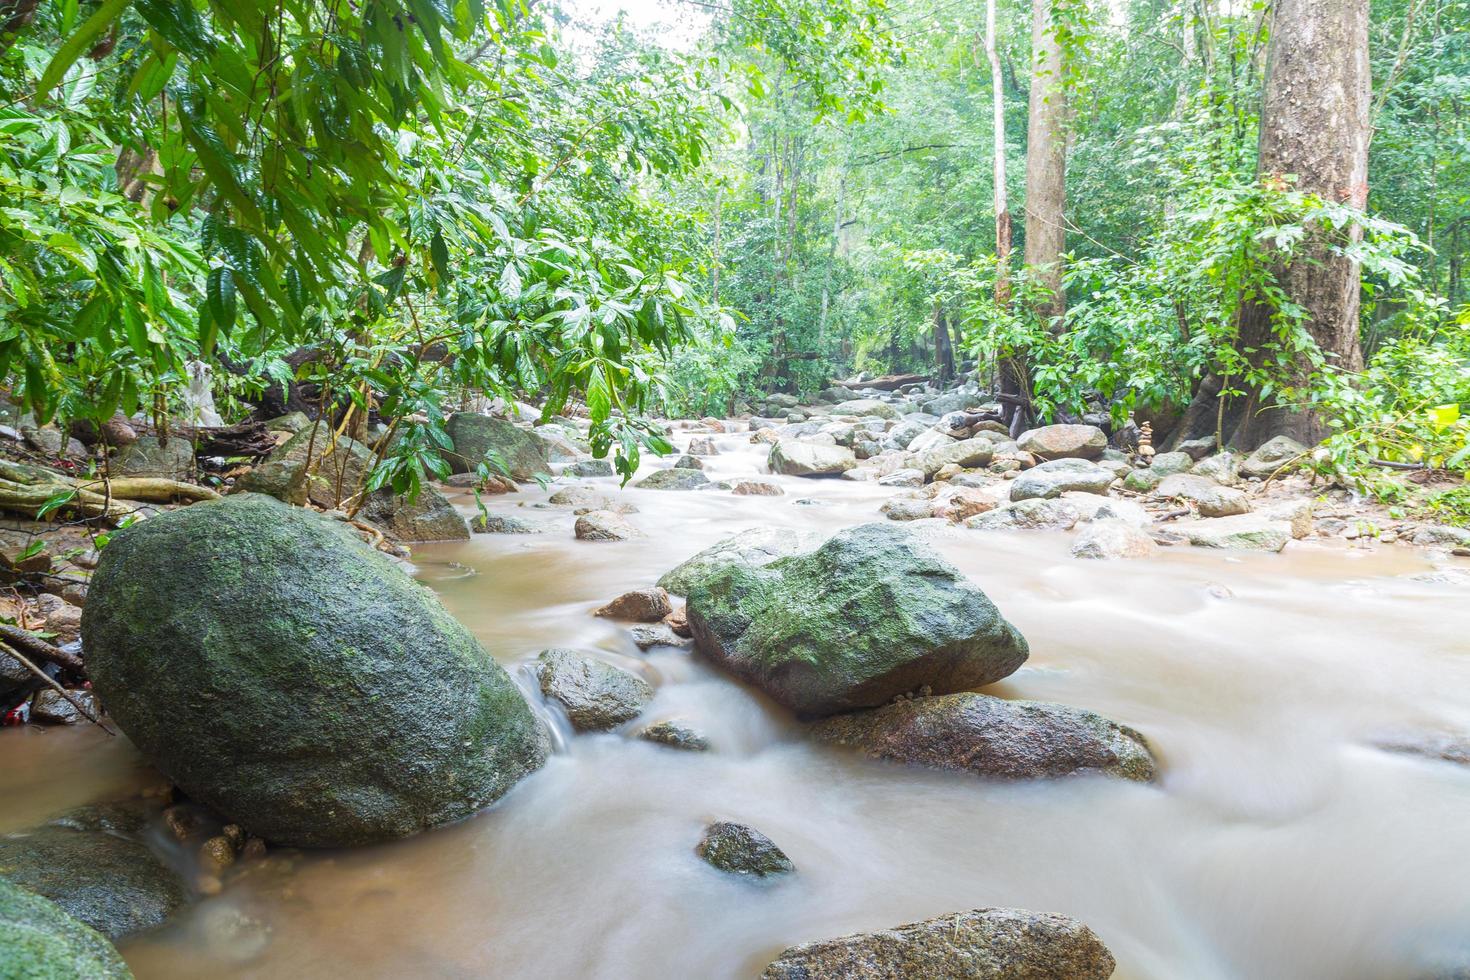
x,y
703,446
863,407
1163,466
586,497
1110,538
148,457
94,866
740,850
961,503
40,941
993,737
984,944
791,458
492,484
50,708
1033,514
966,453
1198,449
1055,477
871,613
676,735
673,479
292,422
756,488
51,441
678,621
13,674
1279,455
1101,507
766,437
501,524
216,855
65,621
1223,468
476,436
1206,496
1442,535
596,695
604,525
299,683
1246,532
428,516
903,478
687,462
562,445
1063,442
656,635
752,548
1442,746
907,508
638,606
590,467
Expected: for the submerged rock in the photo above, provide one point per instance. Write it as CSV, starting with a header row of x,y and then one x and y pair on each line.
x,y
603,525
676,735
92,864
871,613
296,681
984,944
741,850
596,695
754,548
676,478
993,737
1033,514
590,467
1442,746
639,606
1055,477
656,635
502,524
1111,537
477,438
792,458
756,488
1245,532
39,941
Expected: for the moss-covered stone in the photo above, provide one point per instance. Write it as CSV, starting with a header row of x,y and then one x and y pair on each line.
x,y
870,614
675,478
39,941
740,850
476,437
93,864
985,944
285,674
596,695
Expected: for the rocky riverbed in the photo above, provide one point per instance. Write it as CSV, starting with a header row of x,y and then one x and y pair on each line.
x,y
1184,759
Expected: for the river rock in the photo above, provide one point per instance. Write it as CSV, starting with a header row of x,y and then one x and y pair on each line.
x,y
676,735
476,437
872,613
756,488
960,503
1063,442
648,636
501,524
907,508
703,446
1113,538
1442,535
427,516
1161,468
687,462
48,707
298,682
1198,448
1281,454
792,458
1223,468
984,944
639,606
673,479
604,525
863,407
1439,745
993,737
1101,507
1247,532
147,457
753,548
596,695
39,941
902,478
1206,496
965,453
1033,514
585,498
1055,477
740,850
907,431
93,864
590,467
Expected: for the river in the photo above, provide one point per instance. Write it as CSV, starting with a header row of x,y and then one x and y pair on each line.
x,y
1277,844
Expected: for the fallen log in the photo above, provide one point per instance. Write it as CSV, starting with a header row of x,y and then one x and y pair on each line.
x,y
153,490
889,382
34,490
33,646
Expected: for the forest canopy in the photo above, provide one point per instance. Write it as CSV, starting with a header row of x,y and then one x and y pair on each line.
x,y
392,205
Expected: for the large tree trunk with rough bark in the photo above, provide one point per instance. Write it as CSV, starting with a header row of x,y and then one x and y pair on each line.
x,y
1315,125
1014,383
1046,158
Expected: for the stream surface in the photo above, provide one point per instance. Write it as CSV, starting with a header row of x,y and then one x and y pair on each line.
x,y
1277,845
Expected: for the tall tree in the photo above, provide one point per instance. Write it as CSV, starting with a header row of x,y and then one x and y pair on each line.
x,y
1013,376
1046,155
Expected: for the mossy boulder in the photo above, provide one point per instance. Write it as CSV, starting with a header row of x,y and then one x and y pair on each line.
x,y
476,437
93,863
753,548
871,613
295,680
39,941
740,850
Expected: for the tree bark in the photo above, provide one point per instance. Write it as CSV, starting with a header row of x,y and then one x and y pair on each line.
x,y
1013,372
943,348
1315,125
1046,160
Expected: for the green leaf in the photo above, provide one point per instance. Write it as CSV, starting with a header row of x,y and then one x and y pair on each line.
x,y
80,42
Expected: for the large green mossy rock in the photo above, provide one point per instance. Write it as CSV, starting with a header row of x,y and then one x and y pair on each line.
x,y
38,941
477,436
295,680
871,613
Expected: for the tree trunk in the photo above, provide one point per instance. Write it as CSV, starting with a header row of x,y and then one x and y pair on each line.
x,y
1046,161
1013,373
1314,124
943,348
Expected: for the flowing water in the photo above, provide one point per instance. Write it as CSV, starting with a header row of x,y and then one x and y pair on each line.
x,y
1276,845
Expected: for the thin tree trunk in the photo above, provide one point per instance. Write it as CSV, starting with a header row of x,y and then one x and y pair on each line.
x,y
1014,383
1046,161
943,349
